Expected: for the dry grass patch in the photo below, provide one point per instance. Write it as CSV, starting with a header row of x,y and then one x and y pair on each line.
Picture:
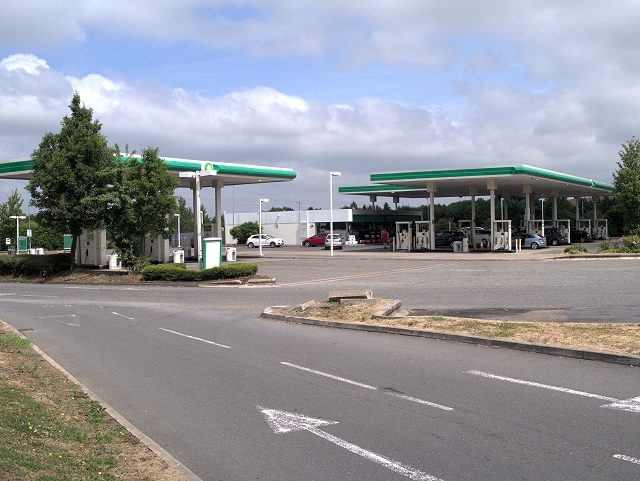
x,y
618,338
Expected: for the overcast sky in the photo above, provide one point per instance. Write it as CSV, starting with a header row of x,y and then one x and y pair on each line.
x,y
349,86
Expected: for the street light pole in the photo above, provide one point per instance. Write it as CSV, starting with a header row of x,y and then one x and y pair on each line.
x,y
260,225
179,241
331,175
17,218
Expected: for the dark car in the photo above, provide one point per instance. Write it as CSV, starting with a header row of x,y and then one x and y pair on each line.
x,y
446,238
315,240
580,236
556,236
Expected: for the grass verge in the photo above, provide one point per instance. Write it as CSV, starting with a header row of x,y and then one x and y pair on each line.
x,y
616,338
50,430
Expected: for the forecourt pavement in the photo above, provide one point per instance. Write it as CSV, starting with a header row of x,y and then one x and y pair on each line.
x,y
233,396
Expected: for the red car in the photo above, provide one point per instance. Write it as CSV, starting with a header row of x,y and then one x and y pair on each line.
x,y
315,240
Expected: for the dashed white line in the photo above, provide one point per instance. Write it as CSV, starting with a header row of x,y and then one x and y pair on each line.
x,y
122,315
367,386
627,458
196,338
543,386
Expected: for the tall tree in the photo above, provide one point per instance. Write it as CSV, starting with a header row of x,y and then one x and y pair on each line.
x,y
142,202
627,182
72,173
13,206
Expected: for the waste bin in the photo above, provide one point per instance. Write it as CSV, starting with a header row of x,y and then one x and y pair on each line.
x,y
11,250
457,246
31,252
465,245
231,254
178,256
113,261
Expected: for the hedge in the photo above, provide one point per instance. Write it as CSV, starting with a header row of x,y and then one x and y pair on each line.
x,y
34,266
179,273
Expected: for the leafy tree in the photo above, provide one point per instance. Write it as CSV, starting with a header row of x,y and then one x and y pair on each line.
x,y
142,200
281,209
13,206
243,231
627,182
72,174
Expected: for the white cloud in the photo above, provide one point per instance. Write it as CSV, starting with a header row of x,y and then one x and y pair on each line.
x,y
27,62
563,130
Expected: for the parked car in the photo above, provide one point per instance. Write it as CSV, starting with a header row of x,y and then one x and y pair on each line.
x,y
483,236
534,241
446,238
264,239
315,240
580,236
338,241
556,236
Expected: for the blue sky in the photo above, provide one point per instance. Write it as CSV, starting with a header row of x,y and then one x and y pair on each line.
x,y
353,86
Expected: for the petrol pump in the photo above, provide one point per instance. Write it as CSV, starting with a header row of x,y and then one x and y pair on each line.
x,y
423,229
501,235
403,236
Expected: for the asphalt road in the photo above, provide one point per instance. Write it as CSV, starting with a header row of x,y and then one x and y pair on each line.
x,y
198,371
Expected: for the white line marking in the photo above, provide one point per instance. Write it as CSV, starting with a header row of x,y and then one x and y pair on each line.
x,y
56,317
627,458
366,386
196,338
631,405
543,386
82,288
121,315
284,422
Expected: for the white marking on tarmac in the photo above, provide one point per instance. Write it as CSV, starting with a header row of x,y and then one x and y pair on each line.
x,y
627,458
543,386
367,386
56,317
631,405
284,422
196,338
122,315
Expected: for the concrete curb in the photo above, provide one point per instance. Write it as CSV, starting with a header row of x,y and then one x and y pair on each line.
x,y
585,354
143,438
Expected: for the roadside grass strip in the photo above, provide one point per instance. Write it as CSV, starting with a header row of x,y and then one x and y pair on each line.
x,y
630,405
367,386
195,338
51,430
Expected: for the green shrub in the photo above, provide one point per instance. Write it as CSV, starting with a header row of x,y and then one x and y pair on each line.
x,y
34,266
575,249
631,243
179,273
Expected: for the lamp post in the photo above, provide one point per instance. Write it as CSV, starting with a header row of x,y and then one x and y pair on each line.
x,y
331,176
260,225
17,218
179,241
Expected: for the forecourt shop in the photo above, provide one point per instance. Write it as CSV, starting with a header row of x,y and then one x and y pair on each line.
x,y
522,181
193,174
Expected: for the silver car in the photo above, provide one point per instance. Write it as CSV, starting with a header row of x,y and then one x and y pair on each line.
x,y
338,241
534,241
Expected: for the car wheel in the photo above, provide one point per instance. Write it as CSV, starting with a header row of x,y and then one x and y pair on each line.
x,y
307,244
484,243
451,244
250,245
554,242
534,245
273,244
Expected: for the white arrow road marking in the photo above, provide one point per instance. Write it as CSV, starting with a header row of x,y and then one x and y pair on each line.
x,y
627,458
285,422
196,338
122,315
631,405
366,386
